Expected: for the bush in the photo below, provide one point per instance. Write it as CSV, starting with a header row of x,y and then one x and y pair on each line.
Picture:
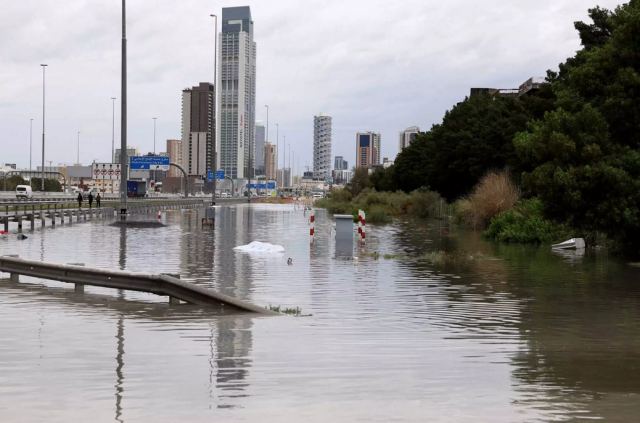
x,y
377,214
494,194
424,204
526,224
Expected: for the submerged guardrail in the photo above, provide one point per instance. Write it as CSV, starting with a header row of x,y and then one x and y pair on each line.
x,y
162,284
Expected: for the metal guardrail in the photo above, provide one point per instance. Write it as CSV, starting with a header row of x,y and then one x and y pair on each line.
x,y
144,282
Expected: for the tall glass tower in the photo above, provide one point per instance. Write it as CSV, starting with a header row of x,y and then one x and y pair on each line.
x,y
235,129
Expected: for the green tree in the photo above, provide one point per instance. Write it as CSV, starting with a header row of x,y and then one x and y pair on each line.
x,y
360,181
382,179
474,137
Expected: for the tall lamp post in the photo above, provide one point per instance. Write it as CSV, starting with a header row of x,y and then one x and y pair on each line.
x,y
215,107
113,129
277,152
44,65
154,148
30,149
267,135
123,118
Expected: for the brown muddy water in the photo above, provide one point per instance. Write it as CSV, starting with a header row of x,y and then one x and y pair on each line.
x,y
441,327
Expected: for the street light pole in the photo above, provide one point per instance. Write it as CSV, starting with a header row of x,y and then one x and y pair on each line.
x,y
154,135
113,129
30,149
267,134
123,118
44,65
215,108
277,151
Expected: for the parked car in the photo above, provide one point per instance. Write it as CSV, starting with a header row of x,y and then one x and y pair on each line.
x,y
24,191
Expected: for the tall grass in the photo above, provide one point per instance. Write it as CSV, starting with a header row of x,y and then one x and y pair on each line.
x,y
494,194
381,207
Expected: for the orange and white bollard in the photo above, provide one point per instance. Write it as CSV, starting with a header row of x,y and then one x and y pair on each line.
x,y
312,225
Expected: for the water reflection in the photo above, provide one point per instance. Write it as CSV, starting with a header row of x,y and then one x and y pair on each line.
x,y
576,317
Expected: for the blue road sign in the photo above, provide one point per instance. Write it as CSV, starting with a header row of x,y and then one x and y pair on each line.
x,y
262,185
219,175
149,162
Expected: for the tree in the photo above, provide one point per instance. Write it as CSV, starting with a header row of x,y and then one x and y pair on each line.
x,y
474,138
382,179
359,181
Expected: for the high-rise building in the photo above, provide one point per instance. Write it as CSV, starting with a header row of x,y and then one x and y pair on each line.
x,y
174,150
237,82
198,111
270,161
130,153
407,136
367,149
322,147
340,163
260,157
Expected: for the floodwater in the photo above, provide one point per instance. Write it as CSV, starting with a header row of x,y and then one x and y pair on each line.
x,y
486,334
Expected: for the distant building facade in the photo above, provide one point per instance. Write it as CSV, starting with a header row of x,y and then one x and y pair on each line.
x,y
198,112
531,84
367,149
130,153
342,176
339,163
260,157
174,150
237,82
407,137
322,146
270,160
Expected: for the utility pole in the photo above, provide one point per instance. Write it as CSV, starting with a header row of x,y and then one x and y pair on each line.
x,y
30,149
44,65
113,129
123,118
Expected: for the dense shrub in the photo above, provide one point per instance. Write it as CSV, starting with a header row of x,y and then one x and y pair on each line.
x,y
525,223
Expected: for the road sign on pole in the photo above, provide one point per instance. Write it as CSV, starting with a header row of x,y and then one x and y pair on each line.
x,y
219,175
149,163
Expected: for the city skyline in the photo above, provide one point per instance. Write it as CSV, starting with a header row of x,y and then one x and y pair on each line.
x,y
83,72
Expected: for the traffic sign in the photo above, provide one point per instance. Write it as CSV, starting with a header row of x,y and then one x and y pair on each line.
x,y
106,171
219,175
149,163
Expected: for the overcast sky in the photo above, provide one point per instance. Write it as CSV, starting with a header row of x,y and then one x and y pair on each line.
x,y
371,64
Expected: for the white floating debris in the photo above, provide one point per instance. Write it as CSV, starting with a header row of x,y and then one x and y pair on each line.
x,y
571,244
258,247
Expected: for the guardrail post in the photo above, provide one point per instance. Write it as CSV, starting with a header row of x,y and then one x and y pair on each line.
x,y
173,300
19,220
79,287
52,216
13,277
32,220
6,223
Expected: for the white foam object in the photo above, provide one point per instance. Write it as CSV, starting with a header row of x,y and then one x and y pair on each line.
x,y
258,247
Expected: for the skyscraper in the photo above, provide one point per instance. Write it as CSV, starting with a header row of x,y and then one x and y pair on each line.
x,y
174,150
237,82
270,160
407,136
367,149
339,163
197,124
260,163
322,147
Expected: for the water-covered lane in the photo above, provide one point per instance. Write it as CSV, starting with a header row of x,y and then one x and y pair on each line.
x,y
504,334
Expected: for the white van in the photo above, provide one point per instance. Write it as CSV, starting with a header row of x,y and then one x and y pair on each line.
x,y
24,191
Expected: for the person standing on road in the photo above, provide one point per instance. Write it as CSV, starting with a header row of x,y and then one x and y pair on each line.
x,y
90,199
98,200
79,200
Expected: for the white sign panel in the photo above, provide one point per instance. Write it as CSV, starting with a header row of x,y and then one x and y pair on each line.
x,y
106,171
